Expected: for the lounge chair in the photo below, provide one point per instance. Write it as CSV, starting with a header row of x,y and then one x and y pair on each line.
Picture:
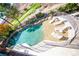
x,y
57,36
51,21
64,29
58,23
54,20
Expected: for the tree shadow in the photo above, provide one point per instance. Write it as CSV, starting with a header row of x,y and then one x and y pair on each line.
x,y
14,39
33,28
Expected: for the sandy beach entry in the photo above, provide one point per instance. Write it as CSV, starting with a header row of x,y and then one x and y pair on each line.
x,y
48,28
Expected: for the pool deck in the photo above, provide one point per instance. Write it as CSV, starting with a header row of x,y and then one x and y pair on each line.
x,y
75,42
60,51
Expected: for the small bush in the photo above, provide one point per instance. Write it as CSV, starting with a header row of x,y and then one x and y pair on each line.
x,y
69,8
4,31
40,15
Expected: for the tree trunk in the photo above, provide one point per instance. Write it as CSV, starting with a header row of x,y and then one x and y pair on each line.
x,y
7,21
19,22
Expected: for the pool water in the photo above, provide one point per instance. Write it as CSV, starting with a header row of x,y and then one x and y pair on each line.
x,y
31,35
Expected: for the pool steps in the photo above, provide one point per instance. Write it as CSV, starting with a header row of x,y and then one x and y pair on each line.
x,y
36,49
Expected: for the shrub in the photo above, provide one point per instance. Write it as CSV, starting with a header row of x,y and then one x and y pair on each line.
x,y
4,31
39,15
68,8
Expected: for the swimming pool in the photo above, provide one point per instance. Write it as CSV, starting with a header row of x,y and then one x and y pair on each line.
x,y
31,35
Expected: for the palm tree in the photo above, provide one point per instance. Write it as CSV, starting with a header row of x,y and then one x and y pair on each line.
x,y
13,13
4,6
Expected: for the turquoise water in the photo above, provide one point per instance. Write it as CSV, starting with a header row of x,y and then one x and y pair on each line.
x,y
31,36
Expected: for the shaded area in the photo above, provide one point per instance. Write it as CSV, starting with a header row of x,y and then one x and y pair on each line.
x,y
14,39
33,28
